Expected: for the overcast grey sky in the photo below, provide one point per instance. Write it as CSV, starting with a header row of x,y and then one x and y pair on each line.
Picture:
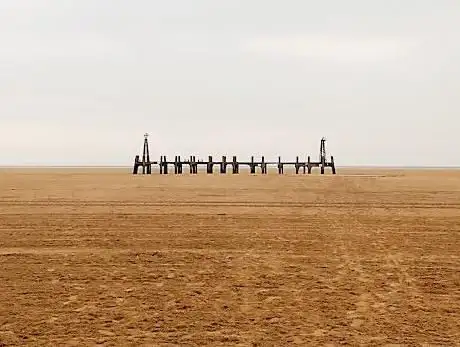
x,y
379,79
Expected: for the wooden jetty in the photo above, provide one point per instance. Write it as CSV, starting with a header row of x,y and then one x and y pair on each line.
x,y
209,164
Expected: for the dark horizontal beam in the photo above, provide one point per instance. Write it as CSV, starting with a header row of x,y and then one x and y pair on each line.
x,y
257,163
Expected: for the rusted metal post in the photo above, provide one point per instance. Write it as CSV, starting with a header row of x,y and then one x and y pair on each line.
x,y
143,157
322,154
147,154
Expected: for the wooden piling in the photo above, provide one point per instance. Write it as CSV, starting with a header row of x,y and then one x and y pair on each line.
x,y
209,165
165,165
263,166
223,165
235,168
252,166
179,165
136,165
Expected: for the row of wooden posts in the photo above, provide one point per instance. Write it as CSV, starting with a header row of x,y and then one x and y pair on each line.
x,y
193,164
235,165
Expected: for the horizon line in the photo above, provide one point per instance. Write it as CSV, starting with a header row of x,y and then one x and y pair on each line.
x,y
31,166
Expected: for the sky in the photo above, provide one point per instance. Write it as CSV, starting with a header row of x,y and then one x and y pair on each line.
x,y
81,81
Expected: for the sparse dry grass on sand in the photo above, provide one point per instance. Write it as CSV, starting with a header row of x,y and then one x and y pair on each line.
x,y
365,257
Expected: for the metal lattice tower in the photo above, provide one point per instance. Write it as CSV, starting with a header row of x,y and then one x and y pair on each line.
x,y
146,156
145,162
322,151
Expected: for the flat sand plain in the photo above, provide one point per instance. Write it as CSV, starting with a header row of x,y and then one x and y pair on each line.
x,y
367,257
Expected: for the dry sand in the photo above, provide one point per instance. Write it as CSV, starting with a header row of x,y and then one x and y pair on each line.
x,y
367,257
